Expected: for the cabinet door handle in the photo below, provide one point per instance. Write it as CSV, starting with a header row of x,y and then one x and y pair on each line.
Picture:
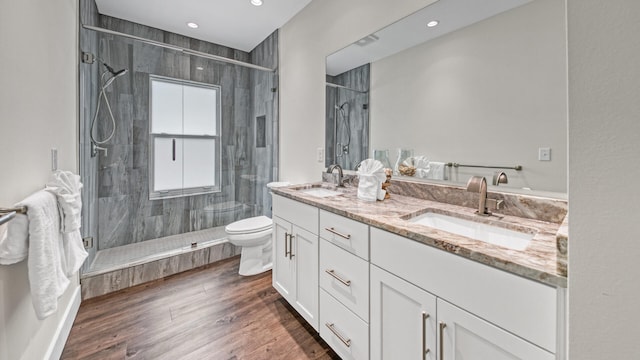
x,y
425,350
173,149
335,276
286,251
344,340
333,231
291,255
442,325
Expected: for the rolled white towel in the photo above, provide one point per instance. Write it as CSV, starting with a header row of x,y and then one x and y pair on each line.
x,y
370,178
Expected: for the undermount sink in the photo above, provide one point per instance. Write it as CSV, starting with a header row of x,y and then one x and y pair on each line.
x,y
320,192
491,234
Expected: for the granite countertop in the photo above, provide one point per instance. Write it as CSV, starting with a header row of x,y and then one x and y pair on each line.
x,y
540,261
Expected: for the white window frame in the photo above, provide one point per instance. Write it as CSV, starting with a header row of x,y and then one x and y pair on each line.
x,y
179,192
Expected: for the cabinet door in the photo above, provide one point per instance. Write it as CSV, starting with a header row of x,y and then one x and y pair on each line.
x,y
403,319
305,256
465,336
283,274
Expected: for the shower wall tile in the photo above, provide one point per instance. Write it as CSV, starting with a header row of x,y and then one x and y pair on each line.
x,y
115,223
93,286
121,187
105,283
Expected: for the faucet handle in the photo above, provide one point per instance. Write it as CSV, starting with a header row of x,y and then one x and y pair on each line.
x,y
494,204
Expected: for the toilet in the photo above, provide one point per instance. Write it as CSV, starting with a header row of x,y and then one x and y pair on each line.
x,y
253,235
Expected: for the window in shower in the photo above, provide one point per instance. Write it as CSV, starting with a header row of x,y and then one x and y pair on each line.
x,y
184,154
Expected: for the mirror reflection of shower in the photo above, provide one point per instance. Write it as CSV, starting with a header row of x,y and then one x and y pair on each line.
x,y
108,76
342,129
347,118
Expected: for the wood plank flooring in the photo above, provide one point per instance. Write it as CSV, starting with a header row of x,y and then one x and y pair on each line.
x,y
206,313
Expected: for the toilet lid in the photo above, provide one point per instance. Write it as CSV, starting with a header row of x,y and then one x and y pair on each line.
x,y
254,224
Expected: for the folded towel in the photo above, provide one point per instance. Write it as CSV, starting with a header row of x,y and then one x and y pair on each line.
x,y
47,279
421,163
14,240
371,175
436,170
66,186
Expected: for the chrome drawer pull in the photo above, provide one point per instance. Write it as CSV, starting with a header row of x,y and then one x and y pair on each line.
x,y
332,230
442,326
347,342
333,273
425,351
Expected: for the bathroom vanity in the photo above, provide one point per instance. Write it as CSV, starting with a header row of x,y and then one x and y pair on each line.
x,y
378,281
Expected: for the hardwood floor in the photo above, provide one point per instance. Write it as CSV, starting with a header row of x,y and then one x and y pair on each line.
x,y
206,313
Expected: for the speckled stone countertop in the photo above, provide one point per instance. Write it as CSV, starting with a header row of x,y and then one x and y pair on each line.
x,y
540,261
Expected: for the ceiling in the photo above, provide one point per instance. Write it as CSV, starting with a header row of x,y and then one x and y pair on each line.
x,y
412,30
233,23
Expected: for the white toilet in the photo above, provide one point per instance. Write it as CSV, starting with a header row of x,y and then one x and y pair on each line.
x,y
253,235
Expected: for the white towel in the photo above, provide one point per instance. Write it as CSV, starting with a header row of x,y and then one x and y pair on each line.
x,y
47,279
14,240
421,163
66,186
370,178
436,170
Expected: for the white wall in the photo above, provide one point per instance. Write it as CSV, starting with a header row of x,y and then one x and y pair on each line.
x,y
321,28
489,94
38,111
604,168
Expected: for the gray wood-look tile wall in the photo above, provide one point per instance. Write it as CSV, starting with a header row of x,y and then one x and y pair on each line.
x,y
116,194
356,117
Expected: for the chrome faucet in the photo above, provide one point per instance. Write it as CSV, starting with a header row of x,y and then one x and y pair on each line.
x,y
479,184
499,177
340,174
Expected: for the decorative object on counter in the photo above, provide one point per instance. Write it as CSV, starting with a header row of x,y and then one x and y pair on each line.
x,y
403,154
387,182
383,157
406,170
371,175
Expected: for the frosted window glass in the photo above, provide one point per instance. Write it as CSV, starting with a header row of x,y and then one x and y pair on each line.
x,y
167,173
166,107
199,163
199,110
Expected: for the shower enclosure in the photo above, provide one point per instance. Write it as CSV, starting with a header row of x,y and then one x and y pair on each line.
x,y
347,118
121,214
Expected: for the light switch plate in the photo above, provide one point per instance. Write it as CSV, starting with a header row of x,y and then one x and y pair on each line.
x,y
320,154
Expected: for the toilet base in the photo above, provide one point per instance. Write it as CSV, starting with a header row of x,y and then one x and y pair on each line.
x,y
255,259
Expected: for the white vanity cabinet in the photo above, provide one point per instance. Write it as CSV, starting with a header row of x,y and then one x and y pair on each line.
x,y
295,256
344,283
403,319
497,315
462,335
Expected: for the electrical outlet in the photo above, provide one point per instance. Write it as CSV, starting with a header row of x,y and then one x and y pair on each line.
x,y
87,242
320,154
544,154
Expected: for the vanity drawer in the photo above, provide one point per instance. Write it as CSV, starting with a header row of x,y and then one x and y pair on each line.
x,y
346,277
346,333
295,212
349,234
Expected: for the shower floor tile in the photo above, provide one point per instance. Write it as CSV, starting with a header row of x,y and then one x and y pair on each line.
x,y
138,253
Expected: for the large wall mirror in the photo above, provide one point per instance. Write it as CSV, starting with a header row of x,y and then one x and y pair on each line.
x,y
485,87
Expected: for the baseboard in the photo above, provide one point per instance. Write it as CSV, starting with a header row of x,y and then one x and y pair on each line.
x,y
64,327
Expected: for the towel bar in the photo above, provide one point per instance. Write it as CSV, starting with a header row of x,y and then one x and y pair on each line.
x,y
516,168
7,214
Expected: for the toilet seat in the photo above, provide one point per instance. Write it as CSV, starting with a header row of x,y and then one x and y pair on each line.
x,y
249,226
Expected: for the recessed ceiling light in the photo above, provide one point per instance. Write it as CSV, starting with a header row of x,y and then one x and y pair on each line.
x,y
199,68
433,23
192,25
256,2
